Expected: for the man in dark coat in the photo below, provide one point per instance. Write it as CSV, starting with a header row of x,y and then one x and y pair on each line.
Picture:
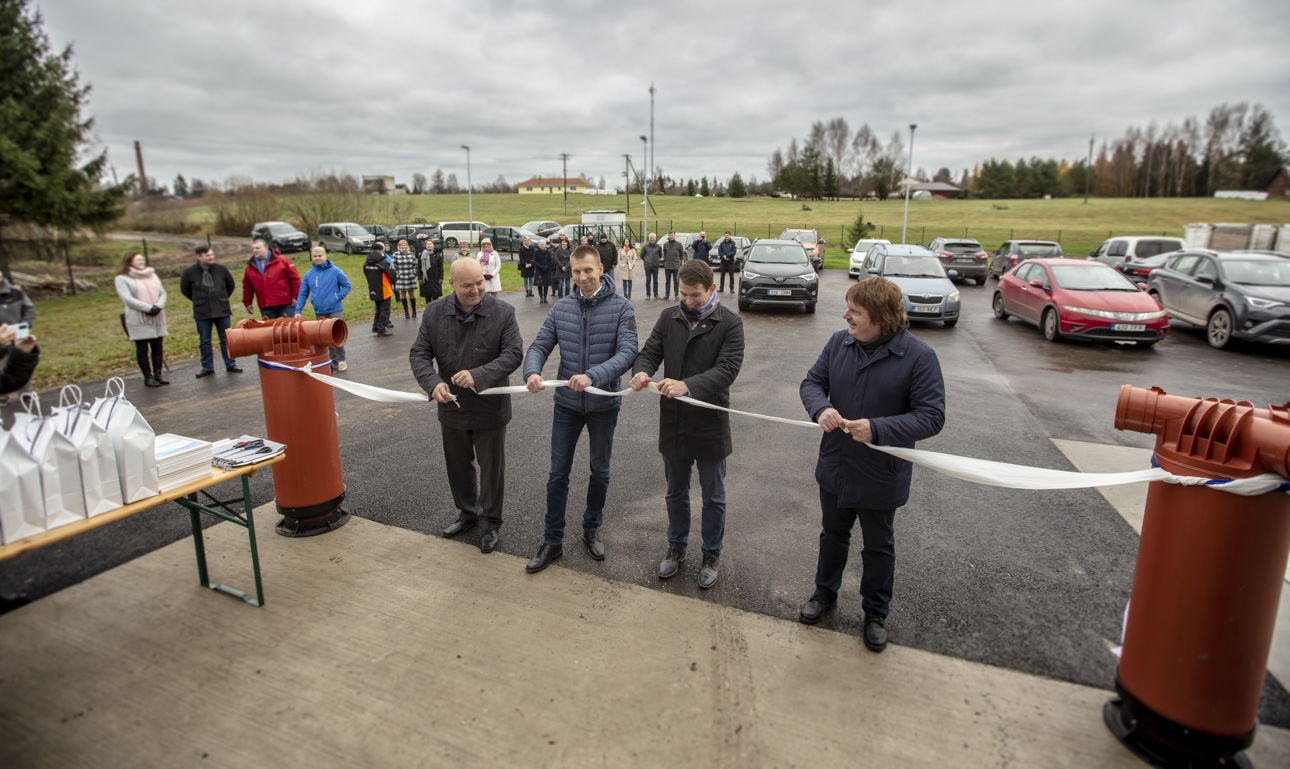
x,y
430,273
473,338
702,247
527,252
608,254
726,251
595,329
209,285
673,258
701,348
874,383
381,278
651,260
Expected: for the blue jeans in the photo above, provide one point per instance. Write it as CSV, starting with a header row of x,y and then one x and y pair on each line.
x,y
651,276
566,428
670,278
562,286
627,289
277,311
528,285
204,327
878,557
712,482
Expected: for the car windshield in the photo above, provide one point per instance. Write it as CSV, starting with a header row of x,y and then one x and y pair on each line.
x,y
282,229
1257,273
1153,247
912,267
800,237
778,255
355,231
1101,278
1040,249
962,248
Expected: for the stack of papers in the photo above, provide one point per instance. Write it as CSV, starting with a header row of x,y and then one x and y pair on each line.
x,y
247,450
181,460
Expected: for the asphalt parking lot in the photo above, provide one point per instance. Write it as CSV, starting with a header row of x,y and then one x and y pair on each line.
x,y
1033,581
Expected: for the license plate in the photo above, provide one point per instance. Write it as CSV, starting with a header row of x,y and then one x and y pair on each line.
x,y
927,308
969,260
779,292
1128,327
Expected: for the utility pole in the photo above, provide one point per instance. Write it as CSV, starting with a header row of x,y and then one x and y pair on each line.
x,y
143,177
649,172
564,180
470,207
627,181
908,173
645,187
1088,170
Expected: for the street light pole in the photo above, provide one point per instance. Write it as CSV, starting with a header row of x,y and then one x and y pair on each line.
x,y
1088,169
649,172
470,206
627,181
908,173
645,188
564,180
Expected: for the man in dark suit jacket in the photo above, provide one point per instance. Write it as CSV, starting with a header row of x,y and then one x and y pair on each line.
x,y
474,339
208,285
701,348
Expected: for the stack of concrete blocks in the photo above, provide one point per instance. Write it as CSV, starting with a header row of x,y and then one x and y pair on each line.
x,y
1283,239
1263,237
1230,237
1197,235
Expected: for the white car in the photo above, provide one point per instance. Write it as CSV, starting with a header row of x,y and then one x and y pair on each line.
x,y
456,233
858,252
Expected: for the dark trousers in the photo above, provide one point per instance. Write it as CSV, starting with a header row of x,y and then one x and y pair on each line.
x,y
566,428
712,482
670,279
461,450
727,269
382,316
277,311
141,347
651,281
337,354
878,557
627,288
204,326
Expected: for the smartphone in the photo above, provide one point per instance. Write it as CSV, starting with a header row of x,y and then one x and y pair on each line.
x,y
21,330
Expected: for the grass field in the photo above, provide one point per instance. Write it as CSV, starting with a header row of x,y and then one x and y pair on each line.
x,y
1079,227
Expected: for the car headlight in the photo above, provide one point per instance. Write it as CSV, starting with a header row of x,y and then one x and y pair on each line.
x,y
808,277
953,297
1262,304
356,240
751,275
1126,316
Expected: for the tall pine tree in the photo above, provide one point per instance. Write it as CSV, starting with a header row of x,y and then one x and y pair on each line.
x,y
737,188
42,133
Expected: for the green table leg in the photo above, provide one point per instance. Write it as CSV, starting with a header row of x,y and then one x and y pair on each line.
x,y
196,509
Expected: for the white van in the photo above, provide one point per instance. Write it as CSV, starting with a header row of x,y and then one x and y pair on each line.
x,y
456,233
1133,248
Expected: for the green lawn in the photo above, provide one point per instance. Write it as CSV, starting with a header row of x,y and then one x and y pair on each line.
x,y
81,337
1079,227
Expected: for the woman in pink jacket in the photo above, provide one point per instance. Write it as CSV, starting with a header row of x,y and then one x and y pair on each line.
x,y
491,261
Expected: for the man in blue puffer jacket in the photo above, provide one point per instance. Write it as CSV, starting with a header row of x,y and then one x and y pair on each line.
x,y
327,285
596,331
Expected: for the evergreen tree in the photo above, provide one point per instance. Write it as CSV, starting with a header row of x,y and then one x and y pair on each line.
x,y
180,187
704,190
830,182
690,189
42,133
858,231
737,188
1262,149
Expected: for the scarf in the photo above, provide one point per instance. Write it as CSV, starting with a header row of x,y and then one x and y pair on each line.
x,y
208,280
148,287
694,316
869,348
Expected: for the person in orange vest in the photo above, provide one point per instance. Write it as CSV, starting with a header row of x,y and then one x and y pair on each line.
x,y
380,287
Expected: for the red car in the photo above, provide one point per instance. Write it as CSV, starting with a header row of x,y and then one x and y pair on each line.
x,y
1079,299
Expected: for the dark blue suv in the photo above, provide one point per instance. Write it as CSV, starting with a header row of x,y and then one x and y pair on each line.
x,y
1234,295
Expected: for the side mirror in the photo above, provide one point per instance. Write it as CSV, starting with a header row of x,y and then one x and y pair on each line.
x,y
1142,286
1037,283
953,273
1207,279
873,270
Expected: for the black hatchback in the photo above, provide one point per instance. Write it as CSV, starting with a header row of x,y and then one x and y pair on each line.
x,y
778,272
1233,295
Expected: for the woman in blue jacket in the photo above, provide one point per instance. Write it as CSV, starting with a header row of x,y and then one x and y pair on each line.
x,y
327,286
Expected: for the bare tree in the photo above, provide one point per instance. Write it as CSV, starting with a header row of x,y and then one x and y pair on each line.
x,y
775,164
837,143
418,183
437,184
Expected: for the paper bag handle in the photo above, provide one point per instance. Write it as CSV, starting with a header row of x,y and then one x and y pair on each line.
x,y
28,400
66,395
120,384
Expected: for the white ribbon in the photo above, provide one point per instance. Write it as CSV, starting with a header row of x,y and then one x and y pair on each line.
x,y
982,471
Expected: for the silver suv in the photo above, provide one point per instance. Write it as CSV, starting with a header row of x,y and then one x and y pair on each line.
x,y
345,236
1233,295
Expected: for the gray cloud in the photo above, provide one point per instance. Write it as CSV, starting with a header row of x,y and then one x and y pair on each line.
x,y
271,90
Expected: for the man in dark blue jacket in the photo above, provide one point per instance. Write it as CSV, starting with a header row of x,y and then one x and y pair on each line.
x,y
596,330
874,383
727,251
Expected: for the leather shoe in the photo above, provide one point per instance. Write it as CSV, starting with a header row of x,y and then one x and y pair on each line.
x,y
488,542
457,527
150,382
708,573
234,370
671,562
160,380
204,372
595,548
545,555
814,610
875,631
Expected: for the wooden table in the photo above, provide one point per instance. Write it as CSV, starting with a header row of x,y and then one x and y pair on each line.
x,y
186,496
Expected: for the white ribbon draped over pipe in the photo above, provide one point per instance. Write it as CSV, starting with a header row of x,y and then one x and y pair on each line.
x,y
982,471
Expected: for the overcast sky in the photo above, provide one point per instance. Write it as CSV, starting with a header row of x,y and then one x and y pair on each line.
x,y
275,89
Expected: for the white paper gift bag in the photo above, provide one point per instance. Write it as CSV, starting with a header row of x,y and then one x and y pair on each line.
x,y
22,506
132,441
60,472
94,452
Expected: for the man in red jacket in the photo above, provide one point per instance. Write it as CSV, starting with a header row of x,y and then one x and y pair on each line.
x,y
271,281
